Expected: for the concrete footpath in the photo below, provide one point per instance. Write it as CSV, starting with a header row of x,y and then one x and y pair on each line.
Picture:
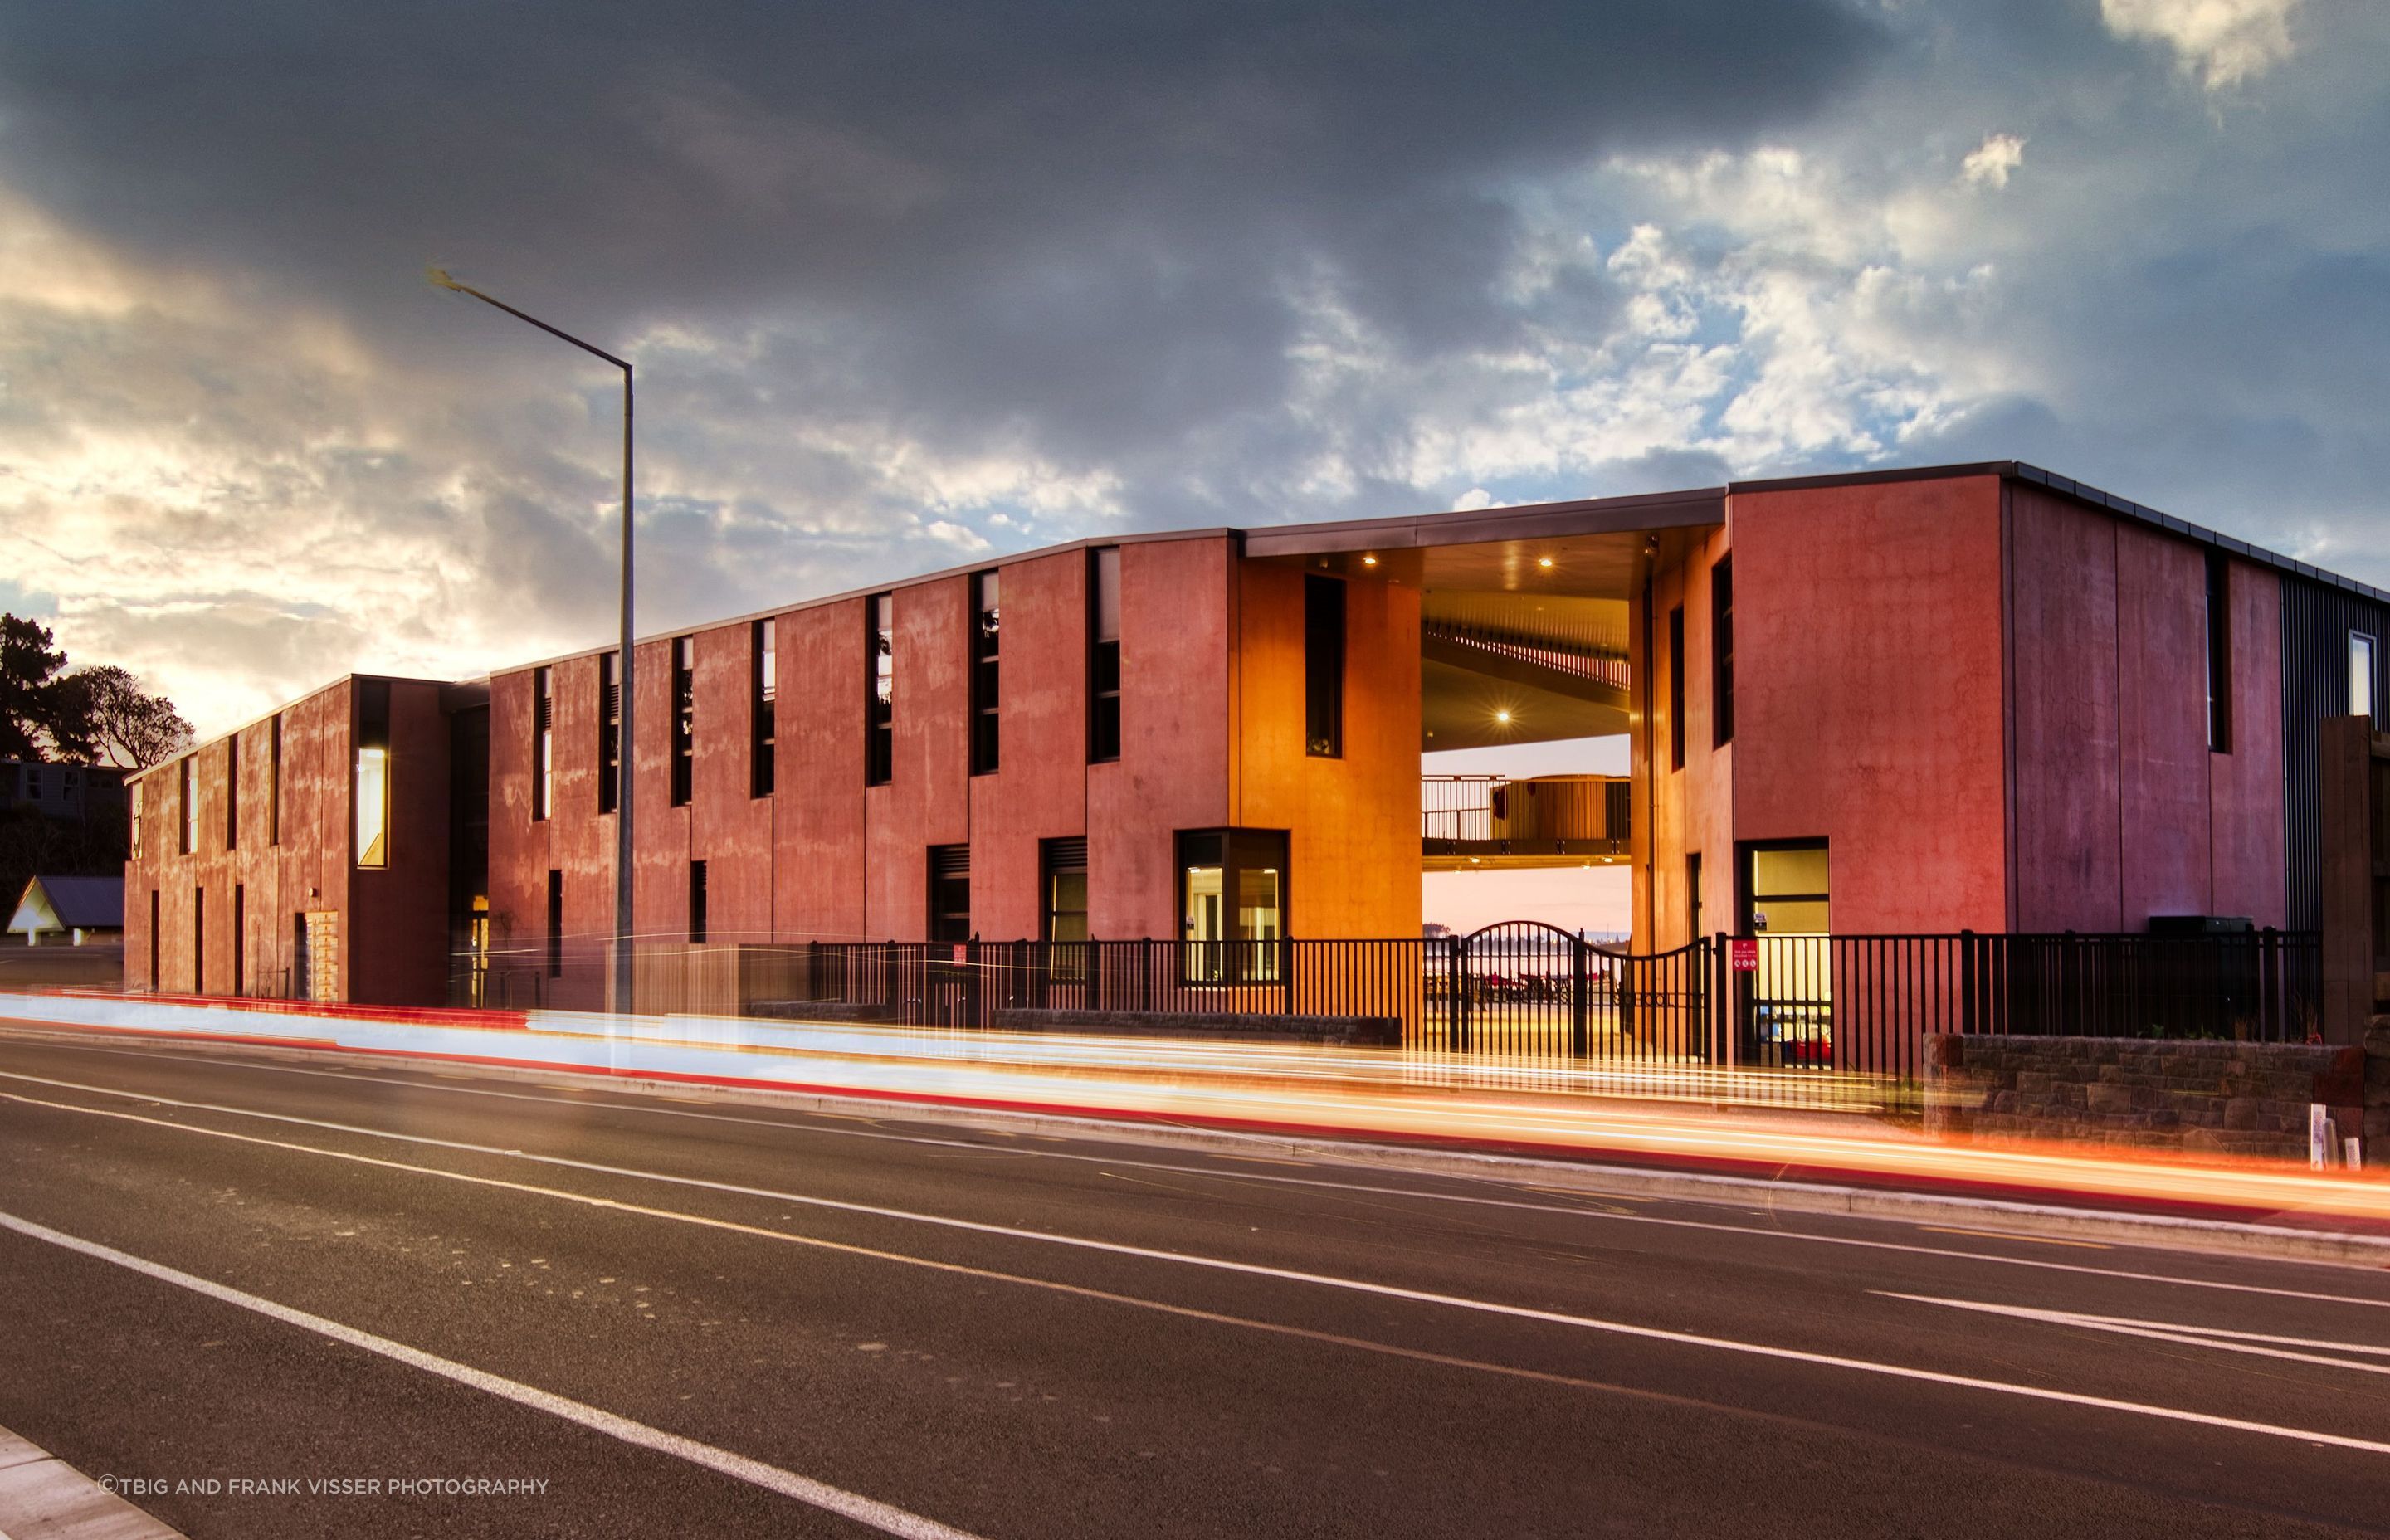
x,y
43,1498
1574,1127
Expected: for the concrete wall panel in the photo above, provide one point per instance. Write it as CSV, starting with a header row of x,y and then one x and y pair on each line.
x,y
1173,771
820,874
2062,682
1040,790
1868,700
2246,786
2162,725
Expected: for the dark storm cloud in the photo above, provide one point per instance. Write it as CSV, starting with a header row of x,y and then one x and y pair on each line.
x,y
1088,219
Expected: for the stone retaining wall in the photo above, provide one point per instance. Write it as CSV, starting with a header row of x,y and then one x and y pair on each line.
x,y
2242,1099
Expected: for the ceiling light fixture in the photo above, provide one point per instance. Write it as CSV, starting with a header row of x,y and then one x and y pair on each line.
x,y
1543,561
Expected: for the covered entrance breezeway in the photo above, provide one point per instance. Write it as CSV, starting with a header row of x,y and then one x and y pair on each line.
x,y
1534,673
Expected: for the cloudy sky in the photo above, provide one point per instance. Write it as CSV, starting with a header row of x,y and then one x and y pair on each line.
x,y
910,281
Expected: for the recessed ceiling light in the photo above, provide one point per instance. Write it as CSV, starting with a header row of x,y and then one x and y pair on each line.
x,y
1369,561
1543,561
1501,717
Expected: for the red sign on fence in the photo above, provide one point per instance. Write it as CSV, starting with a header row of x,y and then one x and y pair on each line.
x,y
1742,955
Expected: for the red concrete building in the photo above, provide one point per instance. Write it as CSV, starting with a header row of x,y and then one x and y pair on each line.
x,y
1976,698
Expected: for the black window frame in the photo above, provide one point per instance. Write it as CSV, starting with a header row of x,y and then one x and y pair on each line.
x,y
543,744
1103,656
374,727
698,904
950,874
1059,858
1677,687
2372,711
1746,859
763,693
1326,622
555,922
985,661
684,721
274,783
609,732
879,689
232,794
1252,959
1722,652
186,805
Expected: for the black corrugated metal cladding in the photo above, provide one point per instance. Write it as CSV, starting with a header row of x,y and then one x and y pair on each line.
x,y
2316,622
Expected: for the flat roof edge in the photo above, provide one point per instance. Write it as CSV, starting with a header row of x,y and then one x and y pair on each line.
x,y
1479,526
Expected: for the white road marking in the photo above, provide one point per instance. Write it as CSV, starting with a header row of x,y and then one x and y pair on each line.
x,y
771,1478
2168,1332
1768,1231
1223,1264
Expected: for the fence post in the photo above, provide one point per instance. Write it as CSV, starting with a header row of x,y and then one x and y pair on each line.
x,y
1456,1016
1966,982
1579,1043
1724,1005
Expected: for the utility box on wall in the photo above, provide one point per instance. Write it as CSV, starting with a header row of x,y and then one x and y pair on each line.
x,y
2355,764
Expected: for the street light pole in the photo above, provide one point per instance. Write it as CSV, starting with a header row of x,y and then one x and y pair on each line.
x,y
623,918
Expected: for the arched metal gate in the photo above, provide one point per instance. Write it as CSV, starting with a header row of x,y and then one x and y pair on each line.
x,y
1523,987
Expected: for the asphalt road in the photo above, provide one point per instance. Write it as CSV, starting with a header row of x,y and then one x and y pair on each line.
x,y
692,1318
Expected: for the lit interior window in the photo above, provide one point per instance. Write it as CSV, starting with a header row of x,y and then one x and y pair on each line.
x,y
373,807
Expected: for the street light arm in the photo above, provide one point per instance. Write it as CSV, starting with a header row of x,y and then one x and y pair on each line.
x,y
439,278
626,689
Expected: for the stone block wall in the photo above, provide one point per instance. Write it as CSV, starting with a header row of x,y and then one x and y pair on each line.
x,y
2241,1098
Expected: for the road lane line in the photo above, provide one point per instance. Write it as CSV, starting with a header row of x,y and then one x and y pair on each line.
x,y
2168,1332
1768,1231
881,1516
2029,1240
1224,1265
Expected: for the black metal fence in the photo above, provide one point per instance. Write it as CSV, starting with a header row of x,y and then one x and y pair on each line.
x,y
1859,1004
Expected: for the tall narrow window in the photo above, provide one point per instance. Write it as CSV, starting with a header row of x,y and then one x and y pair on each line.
x,y
950,894
1677,687
684,728
1232,899
240,939
610,731
372,787
1063,868
1103,655
232,796
554,923
274,783
2219,653
1722,652
139,787
542,730
984,635
1323,666
188,807
2360,675
1065,871
696,901
155,983
764,691
879,689
1693,894
198,941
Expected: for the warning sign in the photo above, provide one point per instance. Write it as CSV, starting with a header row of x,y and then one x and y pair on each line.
x,y
1742,954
